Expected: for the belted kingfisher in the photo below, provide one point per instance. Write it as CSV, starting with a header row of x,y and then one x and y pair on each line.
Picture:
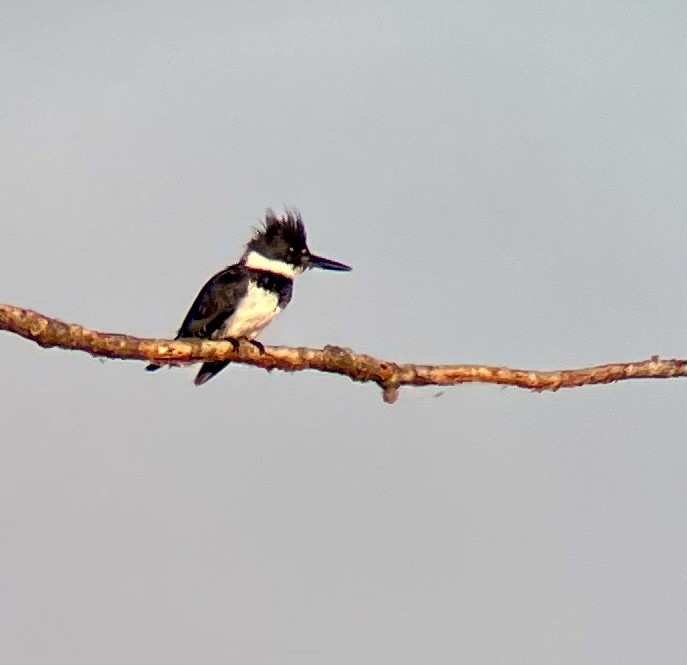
x,y
240,300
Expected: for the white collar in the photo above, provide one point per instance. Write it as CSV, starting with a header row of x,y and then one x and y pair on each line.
x,y
258,261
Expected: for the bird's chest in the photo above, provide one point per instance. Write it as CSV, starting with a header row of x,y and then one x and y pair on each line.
x,y
255,310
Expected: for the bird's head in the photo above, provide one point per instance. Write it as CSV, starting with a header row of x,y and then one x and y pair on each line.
x,y
280,246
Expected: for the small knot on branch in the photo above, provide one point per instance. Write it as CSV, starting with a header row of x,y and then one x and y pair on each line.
x,y
390,392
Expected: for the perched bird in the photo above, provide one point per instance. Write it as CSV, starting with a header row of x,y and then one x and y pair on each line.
x,y
240,300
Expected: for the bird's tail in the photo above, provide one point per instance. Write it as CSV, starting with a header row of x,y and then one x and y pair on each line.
x,y
208,370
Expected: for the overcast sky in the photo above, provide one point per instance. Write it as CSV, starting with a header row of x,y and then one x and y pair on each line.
x,y
507,180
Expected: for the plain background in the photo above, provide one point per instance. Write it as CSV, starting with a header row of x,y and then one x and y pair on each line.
x,y
508,181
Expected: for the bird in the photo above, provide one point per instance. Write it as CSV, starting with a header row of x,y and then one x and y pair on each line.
x,y
242,299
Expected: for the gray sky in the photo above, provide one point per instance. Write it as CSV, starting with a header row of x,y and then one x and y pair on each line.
x,y
508,181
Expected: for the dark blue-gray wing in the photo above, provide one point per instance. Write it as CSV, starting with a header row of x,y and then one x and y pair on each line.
x,y
214,304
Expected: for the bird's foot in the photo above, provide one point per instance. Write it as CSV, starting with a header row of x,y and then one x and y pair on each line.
x,y
258,345
236,343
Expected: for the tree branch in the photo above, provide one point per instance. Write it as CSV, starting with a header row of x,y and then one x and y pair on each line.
x,y
388,375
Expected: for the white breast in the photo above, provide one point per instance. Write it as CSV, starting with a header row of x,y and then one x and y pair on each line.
x,y
255,311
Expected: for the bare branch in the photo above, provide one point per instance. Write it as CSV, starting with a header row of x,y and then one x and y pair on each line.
x,y
388,375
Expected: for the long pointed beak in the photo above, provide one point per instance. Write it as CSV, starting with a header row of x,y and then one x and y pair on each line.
x,y
326,264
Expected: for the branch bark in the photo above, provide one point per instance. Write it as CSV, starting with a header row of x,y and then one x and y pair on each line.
x,y
390,376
